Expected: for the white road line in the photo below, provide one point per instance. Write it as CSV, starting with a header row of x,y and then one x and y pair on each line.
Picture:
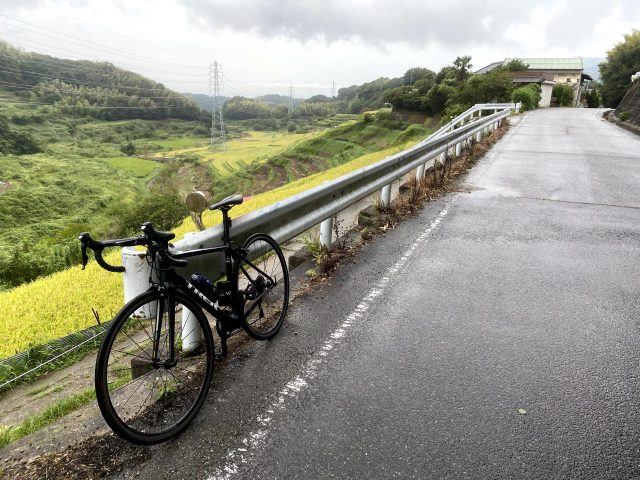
x,y
252,442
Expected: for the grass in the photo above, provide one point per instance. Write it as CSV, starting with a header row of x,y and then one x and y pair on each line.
x,y
12,433
139,167
254,148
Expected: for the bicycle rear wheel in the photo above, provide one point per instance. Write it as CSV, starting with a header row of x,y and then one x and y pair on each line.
x,y
145,396
263,286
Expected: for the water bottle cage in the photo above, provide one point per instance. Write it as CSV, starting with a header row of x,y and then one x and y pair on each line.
x,y
224,290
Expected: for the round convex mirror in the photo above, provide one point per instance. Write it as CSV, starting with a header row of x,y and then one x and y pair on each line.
x,y
196,201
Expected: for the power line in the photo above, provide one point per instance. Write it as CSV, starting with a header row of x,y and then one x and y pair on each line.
x,y
31,73
54,60
97,106
85,21
101,47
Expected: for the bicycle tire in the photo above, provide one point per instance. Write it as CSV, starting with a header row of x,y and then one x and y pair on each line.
x,y
173,393
265,298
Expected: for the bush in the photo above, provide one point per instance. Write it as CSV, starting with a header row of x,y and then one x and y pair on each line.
x,y
291,128
537,92
623,116
593,99
563,94
453,111
165,209
16,142
129,149
525,96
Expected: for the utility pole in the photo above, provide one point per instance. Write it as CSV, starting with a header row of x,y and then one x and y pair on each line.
x,y
290,111
217,122
333,89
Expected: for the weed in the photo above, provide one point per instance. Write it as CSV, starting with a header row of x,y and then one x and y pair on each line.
x,y
12,433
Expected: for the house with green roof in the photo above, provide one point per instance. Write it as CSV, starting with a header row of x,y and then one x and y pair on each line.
x,y
546,72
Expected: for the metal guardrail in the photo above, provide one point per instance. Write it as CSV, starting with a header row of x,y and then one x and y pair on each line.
x,y
469,115
288,218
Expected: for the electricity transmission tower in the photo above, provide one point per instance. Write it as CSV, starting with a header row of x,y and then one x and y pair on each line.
x,y
333,89
217,122
290,111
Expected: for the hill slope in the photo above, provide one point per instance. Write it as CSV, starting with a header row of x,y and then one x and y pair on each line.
x,y
85,88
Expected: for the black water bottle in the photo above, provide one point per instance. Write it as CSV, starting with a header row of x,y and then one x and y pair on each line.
x,y
203,284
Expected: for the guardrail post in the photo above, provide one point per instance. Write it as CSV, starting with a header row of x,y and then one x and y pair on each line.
x,y
458,148
326,227
385,195
136,273
420,172
191,331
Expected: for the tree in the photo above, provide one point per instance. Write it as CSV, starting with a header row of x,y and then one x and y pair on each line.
x,y
462,66
446,73
515,65
623,60
414,74
495,86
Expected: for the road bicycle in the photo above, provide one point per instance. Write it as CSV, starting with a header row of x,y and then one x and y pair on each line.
x,y
155,363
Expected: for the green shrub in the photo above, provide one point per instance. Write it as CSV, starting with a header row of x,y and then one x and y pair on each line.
x,y
593,99
526,96
128,149
563,94
537,92
624,116
453,111
165,209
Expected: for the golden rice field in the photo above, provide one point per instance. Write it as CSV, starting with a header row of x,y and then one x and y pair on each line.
x,y
241,153
60,304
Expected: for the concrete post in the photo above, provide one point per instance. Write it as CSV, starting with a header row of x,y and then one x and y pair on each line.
x,y
191,331
479,136
420,173
326,227
385,195
136,277
458,149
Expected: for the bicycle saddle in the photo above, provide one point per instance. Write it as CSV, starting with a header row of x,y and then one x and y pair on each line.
x,y
227,203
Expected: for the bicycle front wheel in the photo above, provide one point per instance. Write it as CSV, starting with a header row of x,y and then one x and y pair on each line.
x,y
154,367
263,286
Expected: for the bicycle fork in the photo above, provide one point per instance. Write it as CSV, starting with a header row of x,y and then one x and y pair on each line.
x,y
169,299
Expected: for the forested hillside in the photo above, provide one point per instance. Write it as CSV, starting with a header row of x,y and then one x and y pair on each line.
x,y
81,88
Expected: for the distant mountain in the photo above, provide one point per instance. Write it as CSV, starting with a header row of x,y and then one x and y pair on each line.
x,y
591,66
205,102
274,99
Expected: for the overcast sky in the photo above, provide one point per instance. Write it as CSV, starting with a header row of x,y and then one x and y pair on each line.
x,y
265,45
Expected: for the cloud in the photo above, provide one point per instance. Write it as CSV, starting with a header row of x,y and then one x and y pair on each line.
x,y
453,23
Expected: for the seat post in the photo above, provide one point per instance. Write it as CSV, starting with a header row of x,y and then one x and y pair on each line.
x,y
226,224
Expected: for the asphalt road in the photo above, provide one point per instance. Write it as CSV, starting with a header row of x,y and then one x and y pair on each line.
x,y
493,335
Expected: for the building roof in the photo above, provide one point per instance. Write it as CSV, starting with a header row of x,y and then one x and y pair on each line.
x,y
489,67
574,63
